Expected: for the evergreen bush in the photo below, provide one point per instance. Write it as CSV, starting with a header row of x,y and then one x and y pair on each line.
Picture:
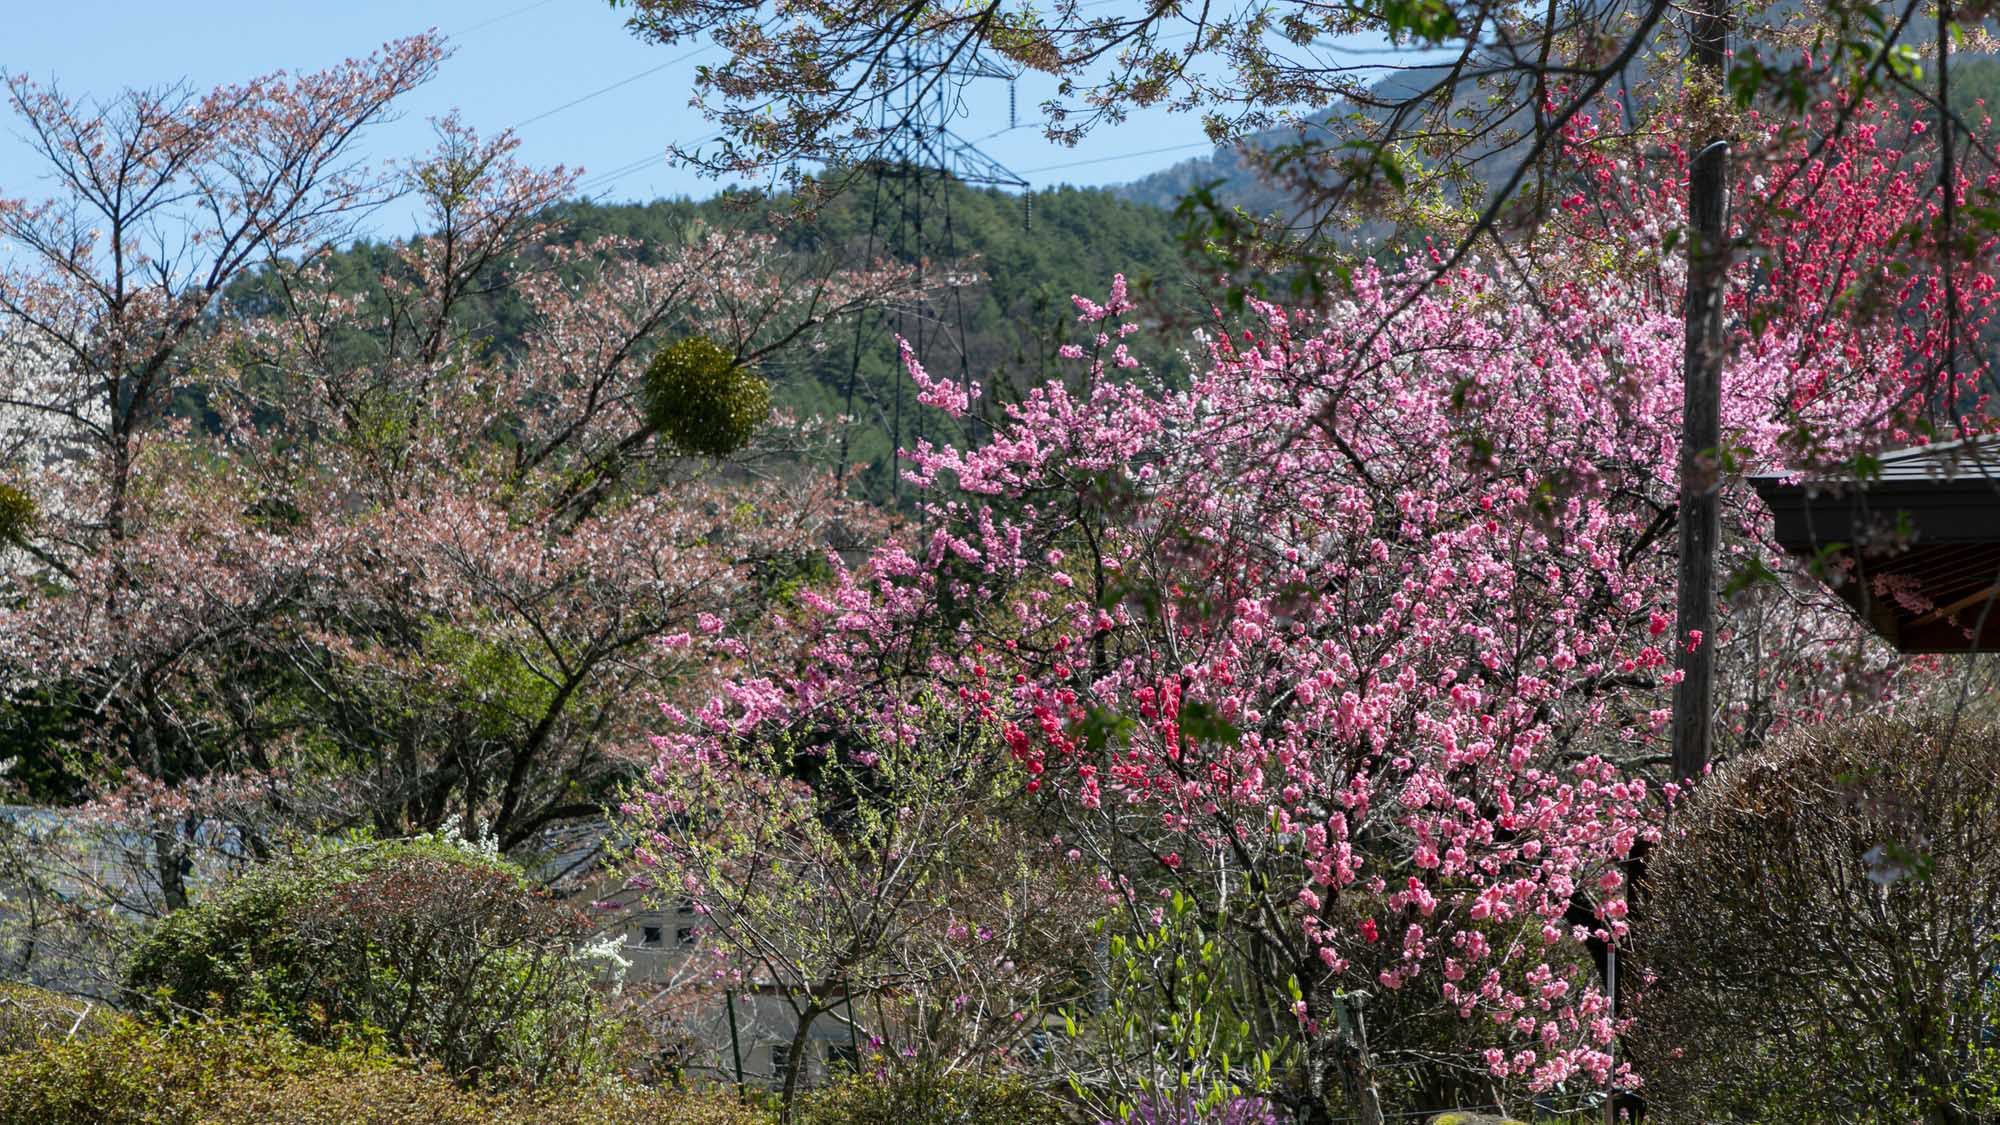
x,y
431,950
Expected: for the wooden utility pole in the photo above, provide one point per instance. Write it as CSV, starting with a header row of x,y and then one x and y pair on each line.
x,y
1701,419
1700,518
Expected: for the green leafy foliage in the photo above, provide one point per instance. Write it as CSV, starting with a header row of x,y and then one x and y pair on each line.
x,y
251,1072
495,685
39,729
1421,22
703,400
427,949
1176,1030
30,1015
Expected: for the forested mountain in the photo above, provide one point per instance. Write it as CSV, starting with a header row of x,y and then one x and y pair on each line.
x,y
1237,182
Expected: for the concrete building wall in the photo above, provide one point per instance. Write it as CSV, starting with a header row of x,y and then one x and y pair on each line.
x,y
673,977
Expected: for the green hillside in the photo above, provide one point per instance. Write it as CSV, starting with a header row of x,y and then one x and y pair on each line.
x,y
1030,258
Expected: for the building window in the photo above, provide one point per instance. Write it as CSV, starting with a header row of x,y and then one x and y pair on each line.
x,y
842,1058
650,935
684,906
685,935
781,1062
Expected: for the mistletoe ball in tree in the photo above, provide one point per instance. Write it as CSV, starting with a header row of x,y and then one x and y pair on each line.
x,y
703,400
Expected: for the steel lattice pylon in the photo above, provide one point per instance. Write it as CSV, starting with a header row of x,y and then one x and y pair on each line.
x,y
916,161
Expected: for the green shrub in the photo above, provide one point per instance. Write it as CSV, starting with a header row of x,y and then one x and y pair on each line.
x,y
140,1073
244,1072
930,1097
702,399
430,950
1818,940
30,1015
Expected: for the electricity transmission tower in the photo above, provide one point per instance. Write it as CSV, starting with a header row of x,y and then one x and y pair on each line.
x,y
913,171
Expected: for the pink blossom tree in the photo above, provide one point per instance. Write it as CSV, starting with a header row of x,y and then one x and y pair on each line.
x,y
321,545
1362,641
522,555
162,199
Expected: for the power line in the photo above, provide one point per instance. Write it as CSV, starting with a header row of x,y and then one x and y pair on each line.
x,y
606,179
1120,156
600,180
1008,129
491,20
601,91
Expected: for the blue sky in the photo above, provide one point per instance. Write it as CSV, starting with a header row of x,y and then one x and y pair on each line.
x,y
515,63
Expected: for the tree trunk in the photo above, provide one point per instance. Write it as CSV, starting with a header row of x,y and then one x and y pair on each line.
x,y
787,1101
170,867
1359,1079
